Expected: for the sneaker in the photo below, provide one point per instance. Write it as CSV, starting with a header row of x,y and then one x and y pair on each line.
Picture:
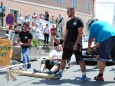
x,y
36,71
83,78
95,67
68,66
50,72
58,75
28,66
98,78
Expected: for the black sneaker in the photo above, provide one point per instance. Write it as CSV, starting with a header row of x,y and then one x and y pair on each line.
x,y
36,71
97,78
50,72
28,66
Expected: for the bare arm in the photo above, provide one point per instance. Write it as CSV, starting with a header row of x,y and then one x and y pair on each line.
x,y
79,38
90,42
89,45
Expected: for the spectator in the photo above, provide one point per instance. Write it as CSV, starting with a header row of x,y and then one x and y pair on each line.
x,y
20,20
53,20
2,13
60,24
5,36
37,32
53,34
17,31
46,16
46,35
34,18
33,27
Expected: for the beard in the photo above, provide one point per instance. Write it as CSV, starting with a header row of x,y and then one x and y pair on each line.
x,y
70,15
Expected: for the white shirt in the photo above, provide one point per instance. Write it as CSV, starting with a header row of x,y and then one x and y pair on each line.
x,y
55,53
20,20
47,30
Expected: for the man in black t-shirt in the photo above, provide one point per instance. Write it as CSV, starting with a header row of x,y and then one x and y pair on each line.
x,y
25,38
72,43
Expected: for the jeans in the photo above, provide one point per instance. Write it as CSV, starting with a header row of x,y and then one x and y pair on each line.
x,y
107,49
26,60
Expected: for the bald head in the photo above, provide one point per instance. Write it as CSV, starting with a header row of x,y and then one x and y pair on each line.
x,y
70,11
70,8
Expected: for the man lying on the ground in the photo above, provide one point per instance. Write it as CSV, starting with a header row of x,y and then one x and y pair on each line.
x,y
53,63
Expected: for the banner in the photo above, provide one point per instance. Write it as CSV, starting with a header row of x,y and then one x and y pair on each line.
x,y
42,24
5,52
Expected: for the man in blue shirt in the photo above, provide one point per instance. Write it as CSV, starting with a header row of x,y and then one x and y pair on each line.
x,y
104,33
2,12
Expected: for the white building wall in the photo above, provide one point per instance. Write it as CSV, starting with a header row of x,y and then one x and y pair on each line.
x,y
104,10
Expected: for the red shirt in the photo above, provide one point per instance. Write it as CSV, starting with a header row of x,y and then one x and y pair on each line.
x,y
53,31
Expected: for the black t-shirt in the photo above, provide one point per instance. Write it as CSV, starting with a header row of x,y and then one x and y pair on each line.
x,y
72,26
24,36
61,42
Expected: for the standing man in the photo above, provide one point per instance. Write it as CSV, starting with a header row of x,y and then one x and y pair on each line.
x,y
46,35
60,24
25,38
20,20
104,33
2,13
53,31
72,42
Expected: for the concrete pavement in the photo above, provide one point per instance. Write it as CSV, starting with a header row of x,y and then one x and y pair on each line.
x,y
71,77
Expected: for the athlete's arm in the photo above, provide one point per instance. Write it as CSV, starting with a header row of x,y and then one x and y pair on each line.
x,y
79,37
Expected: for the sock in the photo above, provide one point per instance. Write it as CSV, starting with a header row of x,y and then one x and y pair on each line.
x,y
83,73
99,75
50,71
61,70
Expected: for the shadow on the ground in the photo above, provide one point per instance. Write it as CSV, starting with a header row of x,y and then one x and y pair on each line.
x,y
87,70
76,81
2,72
113,69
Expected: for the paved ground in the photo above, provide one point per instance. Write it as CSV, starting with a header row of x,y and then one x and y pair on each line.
x,y
71,77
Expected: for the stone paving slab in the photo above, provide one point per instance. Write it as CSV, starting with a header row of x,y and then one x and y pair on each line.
x,y
71,77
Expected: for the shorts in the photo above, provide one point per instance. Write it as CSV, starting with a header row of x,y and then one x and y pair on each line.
x,y
49,64
107,49
67,53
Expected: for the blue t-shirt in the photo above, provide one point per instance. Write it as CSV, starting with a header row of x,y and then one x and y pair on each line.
x,y
3,8
101,31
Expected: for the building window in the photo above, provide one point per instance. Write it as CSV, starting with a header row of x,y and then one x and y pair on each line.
x,y
88,6
58,1
75,3
15,12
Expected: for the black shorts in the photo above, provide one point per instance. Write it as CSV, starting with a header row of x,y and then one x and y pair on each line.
x,y
49,64
67,53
